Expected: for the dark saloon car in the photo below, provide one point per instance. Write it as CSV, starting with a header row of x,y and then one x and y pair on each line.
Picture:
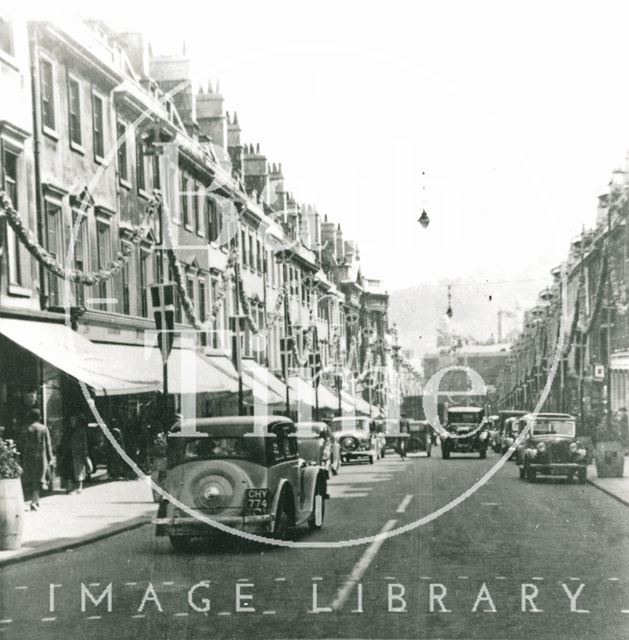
x,y
242,472
465,432
550,447
419,437
393,436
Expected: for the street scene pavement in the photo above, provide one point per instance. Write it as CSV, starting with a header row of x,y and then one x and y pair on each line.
x,y
463,575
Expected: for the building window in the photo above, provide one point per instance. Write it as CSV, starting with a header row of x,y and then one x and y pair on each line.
x,y
54,246
10,186
243,245
202,309
195,208
121,137
6,36
159,266
252,259
213,220
215,326
145,274
155,167
81,254
103,255
74,112
139,162
47,94
190,288
258,256
171,276
99,126
126,295
185,212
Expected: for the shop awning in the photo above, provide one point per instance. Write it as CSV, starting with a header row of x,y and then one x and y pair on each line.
x,y
273,388
301,391
329,399
188,372
260,391
79,358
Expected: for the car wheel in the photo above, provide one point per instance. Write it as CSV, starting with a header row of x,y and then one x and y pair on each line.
x,y
283,519
318,508
531,474
522,474
582,475
180,543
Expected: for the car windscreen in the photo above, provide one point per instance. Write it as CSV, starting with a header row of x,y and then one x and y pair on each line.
x,y
553,427
189,449
350,423
467,416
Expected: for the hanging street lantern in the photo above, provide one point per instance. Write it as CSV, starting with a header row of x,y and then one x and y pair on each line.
x,y
449,310
424,220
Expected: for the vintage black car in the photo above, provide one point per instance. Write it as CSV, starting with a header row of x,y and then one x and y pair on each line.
x,y
509,435
357,439
550,447
503,416
420,437
465,432
243,472
318,444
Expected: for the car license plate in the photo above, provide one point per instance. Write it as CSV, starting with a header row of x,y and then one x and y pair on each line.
x,y
257,499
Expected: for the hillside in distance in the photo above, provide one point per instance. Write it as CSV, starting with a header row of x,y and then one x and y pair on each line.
x,y
418,311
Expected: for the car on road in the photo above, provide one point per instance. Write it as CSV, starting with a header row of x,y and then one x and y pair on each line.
x,y
243,472
465,432
503,416
354,434
419,437
317,444
509,435
550,447
392,435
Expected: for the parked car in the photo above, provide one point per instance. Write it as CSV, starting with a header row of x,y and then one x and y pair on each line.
x,y
392,436
551,447
420,436
503,416
244,472
465,432
509,435
355,436
319,445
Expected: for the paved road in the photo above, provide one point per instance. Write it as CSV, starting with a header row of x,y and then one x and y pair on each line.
x,y
507,539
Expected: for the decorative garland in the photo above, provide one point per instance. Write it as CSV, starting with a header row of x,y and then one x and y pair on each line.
x,y
44,257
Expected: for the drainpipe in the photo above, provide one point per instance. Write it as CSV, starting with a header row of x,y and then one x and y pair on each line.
x,y
39,196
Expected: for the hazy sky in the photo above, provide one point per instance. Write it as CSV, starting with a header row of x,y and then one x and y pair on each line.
x,y
517,112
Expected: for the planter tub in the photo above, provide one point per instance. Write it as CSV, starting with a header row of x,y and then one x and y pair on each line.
x,y
11,513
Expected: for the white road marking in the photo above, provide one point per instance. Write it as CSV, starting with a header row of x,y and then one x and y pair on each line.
x,y
224,613
94,584
244,579
139,615
389,578
94,617
614,579
624,610
268,613
180,615
501,578
21,587
425,578
168,583
280,579
490,504
52,619
316,578
536,578
130,584
405,502
6,621
463,577
360,567
579,579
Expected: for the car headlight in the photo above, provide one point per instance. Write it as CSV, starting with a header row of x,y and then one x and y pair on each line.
x,y
573,447
508,441
531,453
581,453
482,435
541,447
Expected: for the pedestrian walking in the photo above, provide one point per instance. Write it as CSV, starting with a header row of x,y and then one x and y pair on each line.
x,y
36,456
78,449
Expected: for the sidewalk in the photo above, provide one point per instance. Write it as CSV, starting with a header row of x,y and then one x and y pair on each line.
x,y
615,487
65,521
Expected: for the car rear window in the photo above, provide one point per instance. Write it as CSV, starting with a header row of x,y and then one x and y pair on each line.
x,y
189,449
554,427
